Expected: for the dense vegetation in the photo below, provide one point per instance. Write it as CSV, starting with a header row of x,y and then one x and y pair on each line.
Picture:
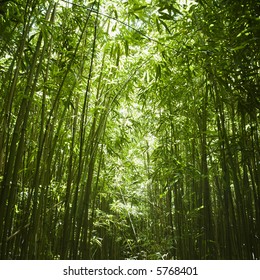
x,y
129,129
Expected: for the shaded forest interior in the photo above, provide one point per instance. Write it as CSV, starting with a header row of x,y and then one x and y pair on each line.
x,y
129,129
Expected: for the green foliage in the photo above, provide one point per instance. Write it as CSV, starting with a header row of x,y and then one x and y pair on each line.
x,y
129,130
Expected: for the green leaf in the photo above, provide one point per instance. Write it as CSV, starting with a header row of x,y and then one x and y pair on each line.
x,y
158,25
117,55
126,48
139,8
240,47
165,16
158,72
165,25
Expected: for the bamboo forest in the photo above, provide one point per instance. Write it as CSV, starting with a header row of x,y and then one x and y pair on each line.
x,y
129,129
